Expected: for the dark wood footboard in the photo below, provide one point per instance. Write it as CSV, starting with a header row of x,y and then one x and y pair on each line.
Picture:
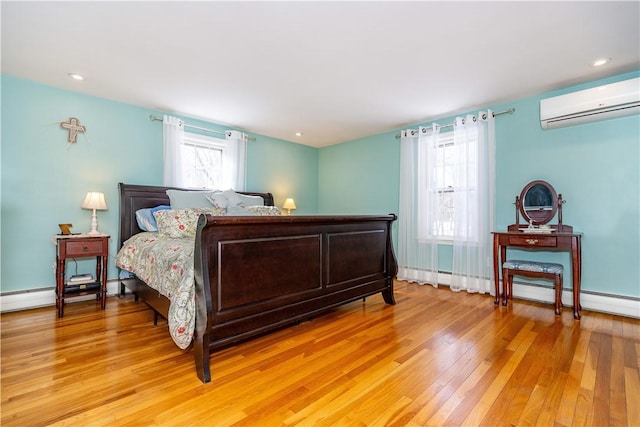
x,y
257,274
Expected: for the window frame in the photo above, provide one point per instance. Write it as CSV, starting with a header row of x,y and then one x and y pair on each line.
x,y
197,140
446,140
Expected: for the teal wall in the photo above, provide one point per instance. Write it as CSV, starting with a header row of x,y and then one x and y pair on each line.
x,y
360,177
44,178
594,166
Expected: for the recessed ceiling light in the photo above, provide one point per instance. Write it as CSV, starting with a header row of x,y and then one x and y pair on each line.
x,y
75,76
298,133
599,62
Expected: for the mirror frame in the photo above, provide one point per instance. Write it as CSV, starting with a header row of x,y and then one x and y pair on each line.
x,y
538,216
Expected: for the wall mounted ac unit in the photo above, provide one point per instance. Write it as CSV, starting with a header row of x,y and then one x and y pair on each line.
x,y
598,103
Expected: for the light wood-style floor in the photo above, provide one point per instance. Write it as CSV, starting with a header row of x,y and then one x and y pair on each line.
x,y
436,358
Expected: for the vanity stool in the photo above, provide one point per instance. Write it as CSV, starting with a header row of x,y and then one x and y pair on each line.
x,y
540,270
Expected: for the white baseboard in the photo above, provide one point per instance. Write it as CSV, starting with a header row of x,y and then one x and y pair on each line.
x,y
612,304
46,297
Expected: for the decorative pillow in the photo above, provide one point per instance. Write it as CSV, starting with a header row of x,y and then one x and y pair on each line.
x,y
183,199
239,211
265,210
224,199
182,222
248,200
233,198
218,200
145,219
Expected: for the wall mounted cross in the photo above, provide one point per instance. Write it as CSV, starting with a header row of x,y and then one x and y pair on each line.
x,y
73,126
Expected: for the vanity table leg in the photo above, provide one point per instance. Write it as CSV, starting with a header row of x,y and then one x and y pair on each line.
x,y
496,272
576,265
579,245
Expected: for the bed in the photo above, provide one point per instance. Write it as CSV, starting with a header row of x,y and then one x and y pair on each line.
x,y
254,274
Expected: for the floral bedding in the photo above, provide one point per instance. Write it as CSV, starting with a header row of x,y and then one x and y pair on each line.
x,y
166,264
164,260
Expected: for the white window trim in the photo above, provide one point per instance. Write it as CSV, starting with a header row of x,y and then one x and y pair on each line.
x,y
199,140
445,139
192,139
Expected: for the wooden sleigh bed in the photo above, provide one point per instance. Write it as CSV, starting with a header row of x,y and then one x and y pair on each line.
x,y
254,274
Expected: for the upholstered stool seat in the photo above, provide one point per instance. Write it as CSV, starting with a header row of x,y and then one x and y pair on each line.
x,y
533,269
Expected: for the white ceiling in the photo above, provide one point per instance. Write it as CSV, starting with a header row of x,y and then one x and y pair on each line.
x,y
335,71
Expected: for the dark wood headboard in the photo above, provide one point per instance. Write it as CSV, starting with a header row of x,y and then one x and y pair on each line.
x,y
134,197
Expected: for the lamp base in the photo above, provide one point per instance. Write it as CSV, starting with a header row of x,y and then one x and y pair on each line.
x,y
94,224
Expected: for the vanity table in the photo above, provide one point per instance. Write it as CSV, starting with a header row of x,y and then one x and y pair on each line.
x,y
538,203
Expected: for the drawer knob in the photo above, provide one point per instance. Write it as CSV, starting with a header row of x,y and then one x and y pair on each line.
x,y
531,241
85,249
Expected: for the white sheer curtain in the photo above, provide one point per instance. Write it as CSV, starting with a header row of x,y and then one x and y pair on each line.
x,y
417,254
427,188
172,138
474,147
234,154
234,161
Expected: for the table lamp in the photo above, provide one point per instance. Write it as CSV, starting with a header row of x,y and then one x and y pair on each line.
x,y
288,205
94,200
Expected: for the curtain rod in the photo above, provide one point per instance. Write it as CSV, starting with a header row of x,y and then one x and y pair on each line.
x,y
159,119
496,113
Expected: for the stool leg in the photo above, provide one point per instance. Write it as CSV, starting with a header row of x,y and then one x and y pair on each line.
x,y
506,280
561,282
558,288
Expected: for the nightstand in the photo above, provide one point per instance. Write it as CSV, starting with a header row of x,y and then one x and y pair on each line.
x,y
81,246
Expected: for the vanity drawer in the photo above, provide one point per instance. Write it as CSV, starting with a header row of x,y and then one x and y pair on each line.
x,y
84,248
548,241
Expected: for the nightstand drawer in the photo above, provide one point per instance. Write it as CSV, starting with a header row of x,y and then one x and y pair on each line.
x,y
85,248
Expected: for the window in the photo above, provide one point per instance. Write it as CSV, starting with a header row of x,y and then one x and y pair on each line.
x,y
451,184
447,196
202,158
441,227
196,161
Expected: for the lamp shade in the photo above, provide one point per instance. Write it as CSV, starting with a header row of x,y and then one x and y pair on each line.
x,y
94,200
289,204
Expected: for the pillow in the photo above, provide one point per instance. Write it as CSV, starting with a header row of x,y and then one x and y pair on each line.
x,y
233,197
224,199
264,210
145,219
218,200
251,200
182,222
239,211
183,199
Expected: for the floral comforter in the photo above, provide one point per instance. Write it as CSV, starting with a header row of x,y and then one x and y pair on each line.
x,y
164,260
166,264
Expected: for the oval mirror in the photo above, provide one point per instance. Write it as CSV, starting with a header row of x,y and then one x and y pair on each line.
x,y
538,202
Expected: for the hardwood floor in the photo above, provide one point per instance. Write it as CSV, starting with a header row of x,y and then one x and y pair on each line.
x,y
436,358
